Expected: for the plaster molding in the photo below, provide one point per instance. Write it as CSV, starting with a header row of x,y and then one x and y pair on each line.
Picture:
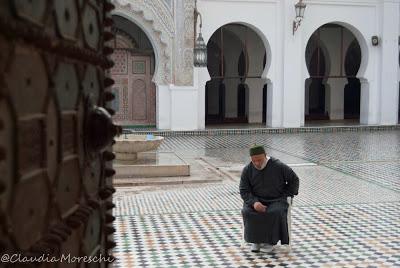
x,y
184,43
154,17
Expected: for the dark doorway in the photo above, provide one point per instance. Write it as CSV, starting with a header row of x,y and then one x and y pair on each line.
x,y
332,55
217,115
214,88
265,101
352,91
241,92
241,99
264,110
316,96
227,93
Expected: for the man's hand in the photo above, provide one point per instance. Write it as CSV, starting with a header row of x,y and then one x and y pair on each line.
x,y
259,207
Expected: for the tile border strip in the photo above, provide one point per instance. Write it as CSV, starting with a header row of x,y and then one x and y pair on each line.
x,y
222,132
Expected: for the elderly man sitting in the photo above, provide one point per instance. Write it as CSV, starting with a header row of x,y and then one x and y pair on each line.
x,y
264,187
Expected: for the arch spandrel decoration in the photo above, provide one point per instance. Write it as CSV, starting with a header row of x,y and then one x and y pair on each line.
x,y
156,20
123,40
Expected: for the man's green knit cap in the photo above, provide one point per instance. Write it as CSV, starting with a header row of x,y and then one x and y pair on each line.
x,y
257,149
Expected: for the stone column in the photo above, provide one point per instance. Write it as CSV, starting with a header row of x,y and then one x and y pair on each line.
x,y
335,98
364,102
274,107
307,97
255,99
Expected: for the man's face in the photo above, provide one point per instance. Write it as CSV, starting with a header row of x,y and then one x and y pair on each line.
x,y
258,160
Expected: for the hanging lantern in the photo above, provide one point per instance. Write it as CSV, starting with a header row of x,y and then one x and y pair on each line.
x,y
200,48
200,52
300,7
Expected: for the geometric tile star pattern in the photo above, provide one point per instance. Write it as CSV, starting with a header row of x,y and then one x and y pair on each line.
x,y
323,236
346,214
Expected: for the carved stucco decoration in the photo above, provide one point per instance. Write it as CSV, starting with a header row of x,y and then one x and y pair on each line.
x,y
184,43
124,40
158,23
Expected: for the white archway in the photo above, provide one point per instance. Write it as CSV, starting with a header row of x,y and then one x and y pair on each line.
x,y
361,74
358,35
260,35
244,40
159,34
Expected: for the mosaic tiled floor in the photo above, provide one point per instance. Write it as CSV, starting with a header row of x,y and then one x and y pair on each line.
x,y
319,186
316,147
323,236
347,213
386,173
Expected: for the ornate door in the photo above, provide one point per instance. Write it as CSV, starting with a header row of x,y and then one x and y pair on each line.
x,y
135,103
142,97
55,139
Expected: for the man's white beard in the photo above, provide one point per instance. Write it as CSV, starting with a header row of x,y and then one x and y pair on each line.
x,y
263,164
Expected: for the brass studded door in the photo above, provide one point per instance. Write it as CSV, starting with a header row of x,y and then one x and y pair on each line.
x,y
55,137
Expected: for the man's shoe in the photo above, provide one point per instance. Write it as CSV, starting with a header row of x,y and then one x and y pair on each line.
x,y
255,247
267,248
285,248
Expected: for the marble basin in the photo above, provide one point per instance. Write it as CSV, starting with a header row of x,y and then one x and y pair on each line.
x,y
128,146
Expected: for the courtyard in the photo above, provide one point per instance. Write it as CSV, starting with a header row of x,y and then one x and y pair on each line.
x,y
346,214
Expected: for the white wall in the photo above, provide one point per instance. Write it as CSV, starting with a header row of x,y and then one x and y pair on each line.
x,y
389,87
286,70
187,103
398,75
293,57
201,75
163,107
184,108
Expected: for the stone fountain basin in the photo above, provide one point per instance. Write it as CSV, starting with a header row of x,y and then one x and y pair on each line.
x,y
128,146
